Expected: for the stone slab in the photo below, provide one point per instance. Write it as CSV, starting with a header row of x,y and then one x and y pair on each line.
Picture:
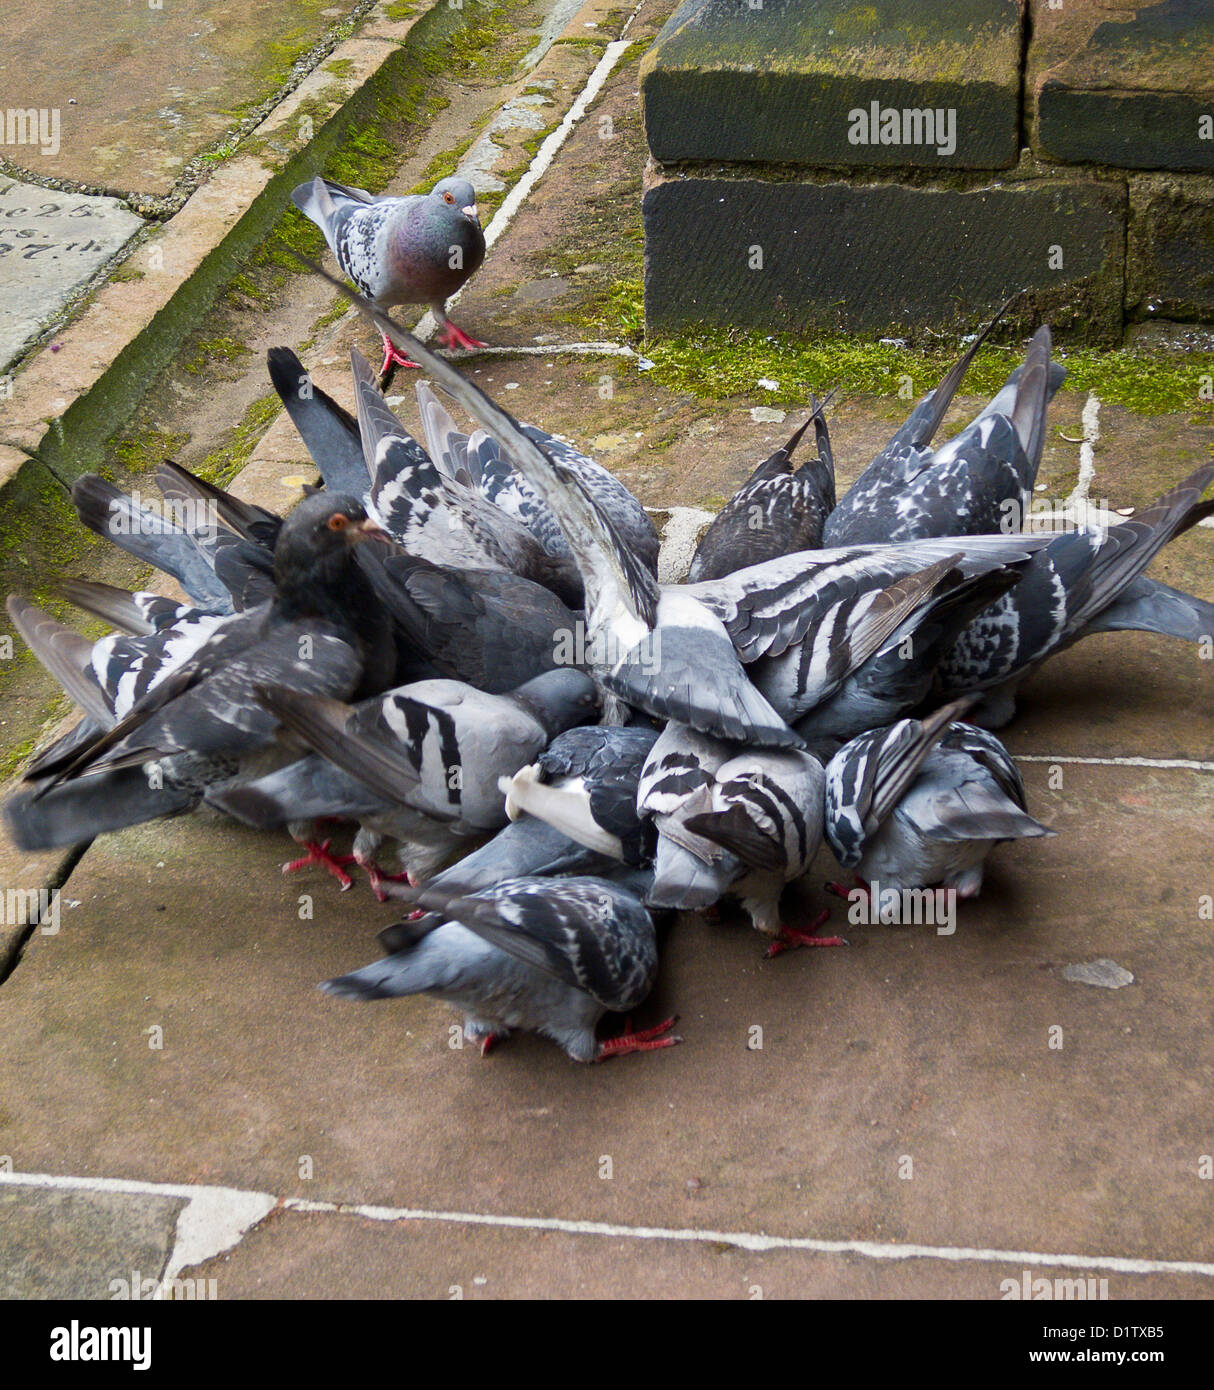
x,y
1093,1148
140,89
51,245
1124,83
1170,251
882,258
57,1243
778,81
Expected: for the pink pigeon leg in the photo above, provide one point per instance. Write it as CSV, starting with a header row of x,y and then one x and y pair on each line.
x,y
648,1040
331,863
790,938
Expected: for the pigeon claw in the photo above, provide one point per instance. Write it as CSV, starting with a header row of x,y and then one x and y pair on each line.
x,y
647,1040
449,336
489,1042
331,863
790,938
394,358
377,878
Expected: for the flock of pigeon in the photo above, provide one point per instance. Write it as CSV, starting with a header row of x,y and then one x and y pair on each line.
x,y
462,650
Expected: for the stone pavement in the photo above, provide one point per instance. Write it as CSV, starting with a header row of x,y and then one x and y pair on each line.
x,y
915,1116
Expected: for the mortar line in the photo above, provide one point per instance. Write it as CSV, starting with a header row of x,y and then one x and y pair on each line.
x,y
1164,764
250,1202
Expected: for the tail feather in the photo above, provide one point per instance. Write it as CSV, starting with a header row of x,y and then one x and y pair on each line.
x,y
90,806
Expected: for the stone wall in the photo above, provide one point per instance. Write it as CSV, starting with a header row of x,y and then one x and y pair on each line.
x,y
897,165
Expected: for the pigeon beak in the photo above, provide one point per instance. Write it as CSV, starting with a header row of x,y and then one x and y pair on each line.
x,y
470,211
370,531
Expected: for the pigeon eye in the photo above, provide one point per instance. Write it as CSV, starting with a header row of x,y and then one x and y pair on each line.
x,y
338,521
448,197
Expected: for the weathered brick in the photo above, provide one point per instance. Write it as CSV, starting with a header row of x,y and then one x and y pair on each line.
x,y
881,257
1123,83
1170,250
780,82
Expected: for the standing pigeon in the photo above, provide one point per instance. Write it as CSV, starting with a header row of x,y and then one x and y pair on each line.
x,y
414,250
548,955
922,803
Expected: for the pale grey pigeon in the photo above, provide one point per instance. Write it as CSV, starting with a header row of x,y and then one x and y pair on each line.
x,y
922,803
548,955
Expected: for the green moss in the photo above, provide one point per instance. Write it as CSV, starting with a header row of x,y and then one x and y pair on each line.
x,y
221,465
213,349
716,363
340,67
401,10
142,451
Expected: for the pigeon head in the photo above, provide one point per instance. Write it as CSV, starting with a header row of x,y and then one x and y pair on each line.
x,y
560,699
314,556
457,193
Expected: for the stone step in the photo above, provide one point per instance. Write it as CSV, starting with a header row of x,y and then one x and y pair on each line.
x,y
881,257
897,82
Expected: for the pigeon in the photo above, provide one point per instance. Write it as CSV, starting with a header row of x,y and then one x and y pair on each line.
x,y
978,483
548,955
777,511
438,518
187,714
490,628
311,790
155,538
676,651
415,250
922,803
585,784
732,820
901,674
481,461
1085,581
431,752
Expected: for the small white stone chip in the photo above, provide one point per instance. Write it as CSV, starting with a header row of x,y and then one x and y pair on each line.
x,y
1105,973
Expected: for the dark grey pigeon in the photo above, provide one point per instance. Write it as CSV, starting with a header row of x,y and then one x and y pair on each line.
x,y
780,509
197,722
548,955
980,482
414,250
1085,581
922,803
490,628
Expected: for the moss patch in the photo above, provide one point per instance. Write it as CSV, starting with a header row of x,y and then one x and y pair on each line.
x,y
717,363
